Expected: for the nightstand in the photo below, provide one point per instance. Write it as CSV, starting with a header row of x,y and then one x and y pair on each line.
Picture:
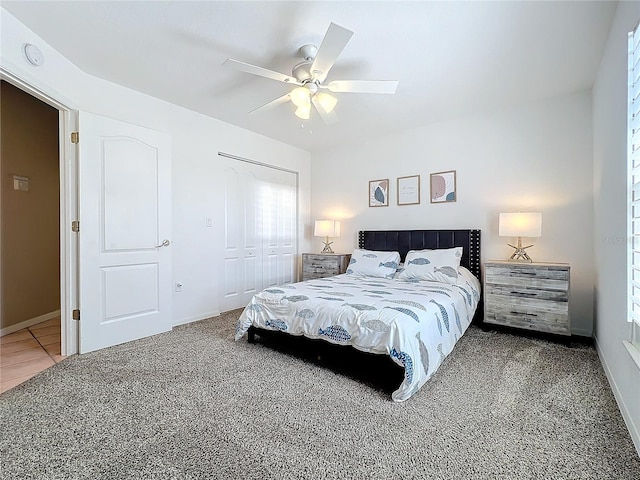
x,y
533,296
318,265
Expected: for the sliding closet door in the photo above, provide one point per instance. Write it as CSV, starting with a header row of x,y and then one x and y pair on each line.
x,y
260,210
242,252
278,212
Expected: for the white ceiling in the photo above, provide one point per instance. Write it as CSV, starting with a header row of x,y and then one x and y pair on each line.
x,y
451,58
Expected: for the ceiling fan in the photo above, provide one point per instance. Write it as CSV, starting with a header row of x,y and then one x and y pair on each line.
x,y
309,77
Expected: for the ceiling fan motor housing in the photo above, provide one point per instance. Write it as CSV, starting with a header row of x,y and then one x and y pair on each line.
x,y
302,72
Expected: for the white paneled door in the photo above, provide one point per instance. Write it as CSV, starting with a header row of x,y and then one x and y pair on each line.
x,y
260,211
125,232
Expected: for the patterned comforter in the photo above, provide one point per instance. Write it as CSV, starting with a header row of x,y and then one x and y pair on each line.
x,y
417,323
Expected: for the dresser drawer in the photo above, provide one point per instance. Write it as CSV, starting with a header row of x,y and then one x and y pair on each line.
x,y
323,265
551,278
529,270
529,318
525,304
554,294
318,268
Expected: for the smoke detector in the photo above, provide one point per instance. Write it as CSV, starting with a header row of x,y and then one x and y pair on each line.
x,y
33,54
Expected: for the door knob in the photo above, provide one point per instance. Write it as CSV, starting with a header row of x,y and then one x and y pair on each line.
x,y
165,243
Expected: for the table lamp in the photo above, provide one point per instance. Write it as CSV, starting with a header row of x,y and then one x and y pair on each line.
x,y
327,228
520,225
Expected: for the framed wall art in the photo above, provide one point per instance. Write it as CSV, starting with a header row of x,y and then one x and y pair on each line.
x,y
409,190
443,187
379,193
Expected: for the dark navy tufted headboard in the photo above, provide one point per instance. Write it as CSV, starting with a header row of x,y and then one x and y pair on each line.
x,y
404,240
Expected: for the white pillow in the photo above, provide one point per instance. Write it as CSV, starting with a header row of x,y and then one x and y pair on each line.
x,y
370,263
439,265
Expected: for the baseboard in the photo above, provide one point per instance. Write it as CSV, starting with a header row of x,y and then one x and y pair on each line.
x,y
634,430
28,323
196,318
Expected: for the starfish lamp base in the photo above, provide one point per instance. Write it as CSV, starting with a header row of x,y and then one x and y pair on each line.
x,y
327,246
520,254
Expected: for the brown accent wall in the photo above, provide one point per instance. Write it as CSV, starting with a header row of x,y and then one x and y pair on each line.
x,y
30,221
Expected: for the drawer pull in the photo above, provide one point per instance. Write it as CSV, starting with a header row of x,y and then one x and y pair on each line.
x,y
524,313
526,294
523,272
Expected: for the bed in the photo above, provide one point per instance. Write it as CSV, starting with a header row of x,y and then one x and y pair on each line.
x,y
410,305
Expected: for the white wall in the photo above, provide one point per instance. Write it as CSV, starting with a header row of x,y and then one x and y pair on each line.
x,y
534,158
610,225
196,140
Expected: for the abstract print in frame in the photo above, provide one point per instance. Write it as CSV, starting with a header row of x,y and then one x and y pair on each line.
x,y
409,190
443,187
379,193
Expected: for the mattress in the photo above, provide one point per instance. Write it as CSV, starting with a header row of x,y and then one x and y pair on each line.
x,y
417,323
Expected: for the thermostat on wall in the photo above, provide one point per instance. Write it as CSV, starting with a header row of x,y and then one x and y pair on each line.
x,y
21,183
33,54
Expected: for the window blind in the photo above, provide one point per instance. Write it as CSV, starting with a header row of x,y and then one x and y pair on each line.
x,y
633,216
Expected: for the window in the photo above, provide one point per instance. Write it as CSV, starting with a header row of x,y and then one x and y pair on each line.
x,y
633,216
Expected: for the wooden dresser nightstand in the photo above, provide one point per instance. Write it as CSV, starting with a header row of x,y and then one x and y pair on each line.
x,y
318,265
533,296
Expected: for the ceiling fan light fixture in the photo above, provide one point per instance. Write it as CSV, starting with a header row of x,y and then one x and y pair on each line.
x,y
300,96
309,77
328,102
304,111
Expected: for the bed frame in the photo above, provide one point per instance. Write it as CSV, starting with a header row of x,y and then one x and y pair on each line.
x,y
404,240
379,371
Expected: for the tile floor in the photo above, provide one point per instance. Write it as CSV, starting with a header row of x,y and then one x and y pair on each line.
x,y
27,352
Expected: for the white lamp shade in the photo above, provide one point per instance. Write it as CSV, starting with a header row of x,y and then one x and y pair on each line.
x,y
328,102
303,112
300,96
520,224
327,228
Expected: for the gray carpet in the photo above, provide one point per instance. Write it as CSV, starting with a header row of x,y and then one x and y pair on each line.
x,y
194,404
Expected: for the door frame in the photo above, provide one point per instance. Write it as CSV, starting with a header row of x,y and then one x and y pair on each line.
x,y
68,164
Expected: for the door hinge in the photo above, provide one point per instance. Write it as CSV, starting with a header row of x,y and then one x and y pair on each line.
x,y
75,137
75,226
76,314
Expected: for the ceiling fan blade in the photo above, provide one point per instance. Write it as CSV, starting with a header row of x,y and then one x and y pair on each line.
x,y
262,72
328,118
363,86
273,103
332,45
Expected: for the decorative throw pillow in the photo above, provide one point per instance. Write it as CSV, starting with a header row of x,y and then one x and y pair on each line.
x,y
370,263
439,265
